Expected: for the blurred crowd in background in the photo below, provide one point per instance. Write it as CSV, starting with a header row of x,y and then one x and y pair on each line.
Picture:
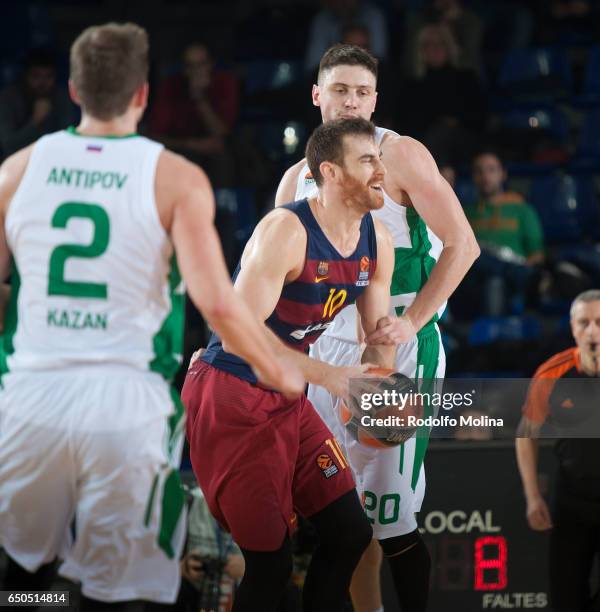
x,y
505,93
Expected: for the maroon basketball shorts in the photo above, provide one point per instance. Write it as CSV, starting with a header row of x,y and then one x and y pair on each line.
x,y
259,458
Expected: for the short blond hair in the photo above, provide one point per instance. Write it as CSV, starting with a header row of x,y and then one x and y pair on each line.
x,y
108,64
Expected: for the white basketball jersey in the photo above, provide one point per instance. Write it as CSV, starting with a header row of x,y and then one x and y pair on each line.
x,y
416,250
94,279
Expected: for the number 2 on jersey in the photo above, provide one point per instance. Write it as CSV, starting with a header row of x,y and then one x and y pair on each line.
x,y
57,285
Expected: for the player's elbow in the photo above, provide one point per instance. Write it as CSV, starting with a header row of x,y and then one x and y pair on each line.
x,y
464,247
469,247
218,312
473,249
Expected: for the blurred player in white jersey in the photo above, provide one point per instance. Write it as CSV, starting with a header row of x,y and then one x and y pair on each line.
x,y
90,429
434,248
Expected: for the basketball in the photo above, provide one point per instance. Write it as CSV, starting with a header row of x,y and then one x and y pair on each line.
x,y
381,410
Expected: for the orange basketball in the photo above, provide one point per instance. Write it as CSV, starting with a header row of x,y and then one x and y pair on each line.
x,y
388,424
383,372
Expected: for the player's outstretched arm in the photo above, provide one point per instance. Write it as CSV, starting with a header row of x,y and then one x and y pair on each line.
x,y
374,303
414,177
274,256
286,191
186,206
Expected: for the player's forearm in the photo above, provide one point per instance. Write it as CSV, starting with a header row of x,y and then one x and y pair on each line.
x,y
527,460
381,355
453,264
314,371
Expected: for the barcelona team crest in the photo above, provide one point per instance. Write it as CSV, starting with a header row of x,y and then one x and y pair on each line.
x,y
363,272
323,268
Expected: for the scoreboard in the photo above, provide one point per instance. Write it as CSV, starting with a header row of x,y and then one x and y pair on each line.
x,y
484,555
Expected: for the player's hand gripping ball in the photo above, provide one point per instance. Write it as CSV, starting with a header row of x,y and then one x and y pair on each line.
x,y
378,411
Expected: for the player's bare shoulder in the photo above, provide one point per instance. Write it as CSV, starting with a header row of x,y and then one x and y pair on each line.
x,y
409,166
12,171
385,242
396,147
179,180
286,190
281,228
281,237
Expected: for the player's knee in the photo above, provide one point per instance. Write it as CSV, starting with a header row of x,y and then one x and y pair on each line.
x,y
409,542
362,536
270,568
372,556
355,534
343,526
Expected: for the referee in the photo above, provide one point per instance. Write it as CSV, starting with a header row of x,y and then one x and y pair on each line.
x,y
575,517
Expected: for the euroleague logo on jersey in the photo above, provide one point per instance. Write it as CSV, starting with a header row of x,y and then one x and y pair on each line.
x,y
309,179
327,466
363,273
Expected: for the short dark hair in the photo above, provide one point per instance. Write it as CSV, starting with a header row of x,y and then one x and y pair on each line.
x,y
326,143
108,64
489,151
347,55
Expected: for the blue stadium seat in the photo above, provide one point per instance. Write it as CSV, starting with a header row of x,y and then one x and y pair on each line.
x,y
488,330
550,121
240,203
282,140
585,256
591,88
266,75
536,74
588,149
9,72
465,190
567,205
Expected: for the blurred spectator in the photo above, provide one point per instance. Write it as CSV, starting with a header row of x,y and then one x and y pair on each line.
x,y
508,24
195,111
386,77
35,105
212,564
327,26
503,218
443,106
464,24
510,236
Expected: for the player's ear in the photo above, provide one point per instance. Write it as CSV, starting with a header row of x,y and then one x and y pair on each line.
x,y
328,170
73,93
140,97
316,95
